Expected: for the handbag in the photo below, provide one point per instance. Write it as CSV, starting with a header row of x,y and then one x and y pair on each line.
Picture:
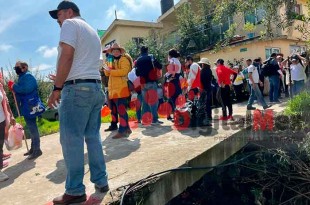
x,y
31,105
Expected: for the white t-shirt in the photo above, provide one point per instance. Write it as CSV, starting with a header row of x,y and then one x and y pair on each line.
x,y
193,71
2,115
252,69
298,72
177,62
84,39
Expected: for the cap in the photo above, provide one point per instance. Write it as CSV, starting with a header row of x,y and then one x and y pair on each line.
x,y
64,5
220,61
204,61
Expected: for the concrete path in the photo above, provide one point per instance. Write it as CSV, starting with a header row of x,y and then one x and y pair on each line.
x,y
148,150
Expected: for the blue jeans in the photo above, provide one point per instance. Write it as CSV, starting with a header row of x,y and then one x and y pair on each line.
x,y
121,105
149,94
139,106
274,81
79,116
256,94
297,86
34,133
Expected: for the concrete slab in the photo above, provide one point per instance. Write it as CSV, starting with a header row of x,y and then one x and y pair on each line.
x,y
148,150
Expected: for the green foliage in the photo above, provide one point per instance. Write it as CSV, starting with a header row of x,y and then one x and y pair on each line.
x,y
158,46
249,27
131,116
299,105
193,27
45,127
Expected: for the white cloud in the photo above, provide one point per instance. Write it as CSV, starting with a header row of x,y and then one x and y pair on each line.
x,y
7,22
43,67
121,14
47,52
141,5
5,47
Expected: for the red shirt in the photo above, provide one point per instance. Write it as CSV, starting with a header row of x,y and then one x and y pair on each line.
x,y
223,74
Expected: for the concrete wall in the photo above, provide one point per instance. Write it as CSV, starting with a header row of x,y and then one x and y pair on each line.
x,y
172,184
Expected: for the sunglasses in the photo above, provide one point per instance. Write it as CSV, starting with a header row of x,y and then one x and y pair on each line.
x,y
16,67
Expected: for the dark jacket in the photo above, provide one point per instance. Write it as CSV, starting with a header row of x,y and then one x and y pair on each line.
x,y
206,78
271,67
145,68
26,85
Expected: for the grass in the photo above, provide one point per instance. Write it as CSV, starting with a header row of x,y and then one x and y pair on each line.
x,y
47,127
299,105
131,116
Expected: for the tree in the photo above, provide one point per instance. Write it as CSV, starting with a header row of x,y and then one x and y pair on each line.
x,y
157,44
208,22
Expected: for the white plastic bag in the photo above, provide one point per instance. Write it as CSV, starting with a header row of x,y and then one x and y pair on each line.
x,y
15,137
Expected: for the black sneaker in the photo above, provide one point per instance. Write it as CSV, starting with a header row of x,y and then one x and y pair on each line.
x,y
250,108
28,153
35,154
111,128
266,107
102,189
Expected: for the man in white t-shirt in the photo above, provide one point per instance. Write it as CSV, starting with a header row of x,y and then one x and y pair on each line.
x,y
78,81
255,83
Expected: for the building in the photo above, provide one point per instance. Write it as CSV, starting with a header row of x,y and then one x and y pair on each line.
x,y
247,44
124,31
251,45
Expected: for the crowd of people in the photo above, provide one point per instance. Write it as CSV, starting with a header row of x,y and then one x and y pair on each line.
x,y
80,75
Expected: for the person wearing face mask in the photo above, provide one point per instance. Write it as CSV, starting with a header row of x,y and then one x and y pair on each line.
x,y
118,89
27,86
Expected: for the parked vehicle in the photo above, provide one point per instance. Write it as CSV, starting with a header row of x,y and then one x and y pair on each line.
x,y
51,114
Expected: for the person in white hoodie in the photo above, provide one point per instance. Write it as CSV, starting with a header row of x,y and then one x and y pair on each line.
x,y
193,79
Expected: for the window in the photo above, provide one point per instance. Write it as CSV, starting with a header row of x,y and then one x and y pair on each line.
x,y
255,16
219,29
297,49
269,51
138,41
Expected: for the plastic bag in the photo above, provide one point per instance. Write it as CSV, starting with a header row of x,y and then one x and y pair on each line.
x,y
15,137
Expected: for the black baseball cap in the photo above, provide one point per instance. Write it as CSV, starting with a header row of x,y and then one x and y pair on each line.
x,y
220,61
64,5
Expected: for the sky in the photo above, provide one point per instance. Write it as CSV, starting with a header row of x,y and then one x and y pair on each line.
x,y
28,33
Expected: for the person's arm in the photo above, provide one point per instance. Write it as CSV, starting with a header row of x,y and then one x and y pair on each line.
x,y
12,119
304,60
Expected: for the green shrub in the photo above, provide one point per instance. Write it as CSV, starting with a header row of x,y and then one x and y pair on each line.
x,y
299,105
45,127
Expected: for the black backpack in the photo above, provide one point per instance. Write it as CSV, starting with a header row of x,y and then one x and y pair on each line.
x,y
266,69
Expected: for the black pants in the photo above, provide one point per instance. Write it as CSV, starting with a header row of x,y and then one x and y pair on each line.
x,y
238,92
226,102
2,127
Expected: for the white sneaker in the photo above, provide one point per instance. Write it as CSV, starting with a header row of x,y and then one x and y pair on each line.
x,y
3,177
